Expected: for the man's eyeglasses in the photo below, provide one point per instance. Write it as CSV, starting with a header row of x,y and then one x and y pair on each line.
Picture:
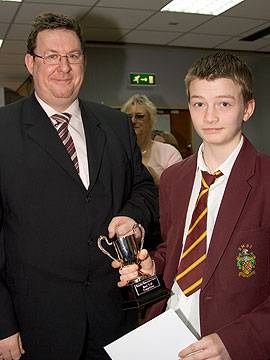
x,y
55,59
137,116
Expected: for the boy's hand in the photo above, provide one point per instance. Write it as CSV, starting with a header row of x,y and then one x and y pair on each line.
x,y
131,272
209,347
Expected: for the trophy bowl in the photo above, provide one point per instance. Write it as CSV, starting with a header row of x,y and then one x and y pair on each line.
x,y
143,290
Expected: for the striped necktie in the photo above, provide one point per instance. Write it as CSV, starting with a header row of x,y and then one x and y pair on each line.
x,y
190,271
62,120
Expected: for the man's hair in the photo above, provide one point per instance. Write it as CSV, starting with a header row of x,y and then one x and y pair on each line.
x,y
222,65
143,100
50,21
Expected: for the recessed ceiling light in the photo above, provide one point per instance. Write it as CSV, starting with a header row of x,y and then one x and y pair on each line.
x,y
206,7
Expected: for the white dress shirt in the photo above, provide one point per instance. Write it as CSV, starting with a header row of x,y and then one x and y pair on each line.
x,y
189,305
76,129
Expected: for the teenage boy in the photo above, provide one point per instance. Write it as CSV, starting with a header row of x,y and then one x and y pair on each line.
x,y
220,278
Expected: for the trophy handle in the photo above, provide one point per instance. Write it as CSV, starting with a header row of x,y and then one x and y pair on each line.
x,y
143,234
102,237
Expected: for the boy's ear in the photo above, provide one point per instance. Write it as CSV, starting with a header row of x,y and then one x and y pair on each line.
x,y
249,110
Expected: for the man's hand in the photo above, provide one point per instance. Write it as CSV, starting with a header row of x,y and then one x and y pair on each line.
x,y
131,272
121,225
11,348
209,347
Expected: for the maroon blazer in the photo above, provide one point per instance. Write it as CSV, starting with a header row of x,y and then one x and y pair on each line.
x,y
234,298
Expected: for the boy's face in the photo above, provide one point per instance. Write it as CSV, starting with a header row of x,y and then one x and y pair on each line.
x,y
217,111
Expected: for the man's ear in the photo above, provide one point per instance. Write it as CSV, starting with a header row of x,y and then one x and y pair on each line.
x,y
249,110
29,62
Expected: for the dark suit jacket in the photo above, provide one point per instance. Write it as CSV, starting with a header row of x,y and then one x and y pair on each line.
x,y
53,276
234,306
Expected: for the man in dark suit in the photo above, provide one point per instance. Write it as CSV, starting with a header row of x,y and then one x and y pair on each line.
x,y
70,171
229,303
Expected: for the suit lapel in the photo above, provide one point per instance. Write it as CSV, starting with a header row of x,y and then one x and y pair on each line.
x,y
40,129
95,142
234,199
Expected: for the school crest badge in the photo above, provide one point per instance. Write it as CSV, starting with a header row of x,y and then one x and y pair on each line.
x,y
246,261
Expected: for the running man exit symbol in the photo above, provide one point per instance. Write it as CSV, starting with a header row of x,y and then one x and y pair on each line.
x,y
142,79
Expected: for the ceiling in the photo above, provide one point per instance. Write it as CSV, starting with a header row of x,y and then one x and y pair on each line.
x,y
131,21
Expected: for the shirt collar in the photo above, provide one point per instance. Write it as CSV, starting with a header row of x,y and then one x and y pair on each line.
x,y
73,109
226,166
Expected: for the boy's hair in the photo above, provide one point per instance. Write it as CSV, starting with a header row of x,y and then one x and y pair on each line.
x,y
143,100
50,21
222,65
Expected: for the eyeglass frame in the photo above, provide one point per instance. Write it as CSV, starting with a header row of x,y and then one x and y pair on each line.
x,y
59,57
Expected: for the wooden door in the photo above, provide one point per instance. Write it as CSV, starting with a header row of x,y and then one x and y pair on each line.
x,y
181,128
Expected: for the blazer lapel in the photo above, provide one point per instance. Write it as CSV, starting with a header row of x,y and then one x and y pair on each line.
x,y
41,130
235,196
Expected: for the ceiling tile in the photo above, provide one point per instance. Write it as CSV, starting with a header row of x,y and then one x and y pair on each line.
x,y
168,21
98,34
236,44
199,40
64,2
3,29
19,32
254,30
9,59
8,10
149,37
138,4
115,18
265,48
13,47
228,26
28,11
259,9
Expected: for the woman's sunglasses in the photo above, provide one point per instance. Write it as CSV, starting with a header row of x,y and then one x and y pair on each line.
x,y
137,116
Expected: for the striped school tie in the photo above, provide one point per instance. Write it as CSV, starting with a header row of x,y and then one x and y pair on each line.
x,y
190,271
62,120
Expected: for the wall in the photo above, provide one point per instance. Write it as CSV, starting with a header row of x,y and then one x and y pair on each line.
x,y
108,67
2,96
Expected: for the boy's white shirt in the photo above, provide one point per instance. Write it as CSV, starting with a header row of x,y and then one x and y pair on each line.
x,y
190,305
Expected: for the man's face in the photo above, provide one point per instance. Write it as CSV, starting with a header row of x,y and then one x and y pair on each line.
x,y
217,111
58,85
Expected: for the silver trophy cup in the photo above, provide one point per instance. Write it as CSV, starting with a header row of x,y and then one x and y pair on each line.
x,y
127,247
145,288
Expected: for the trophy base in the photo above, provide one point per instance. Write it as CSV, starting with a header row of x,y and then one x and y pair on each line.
x,y
143,292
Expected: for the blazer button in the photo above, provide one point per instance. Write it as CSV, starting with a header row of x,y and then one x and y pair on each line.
x,y
88,198
87,283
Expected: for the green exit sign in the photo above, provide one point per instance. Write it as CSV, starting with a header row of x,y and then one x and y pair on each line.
x,y
146,79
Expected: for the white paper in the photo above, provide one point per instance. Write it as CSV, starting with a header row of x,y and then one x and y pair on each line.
x,y
160,338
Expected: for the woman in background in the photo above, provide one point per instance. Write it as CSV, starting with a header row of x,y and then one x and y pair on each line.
x,y
156,156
